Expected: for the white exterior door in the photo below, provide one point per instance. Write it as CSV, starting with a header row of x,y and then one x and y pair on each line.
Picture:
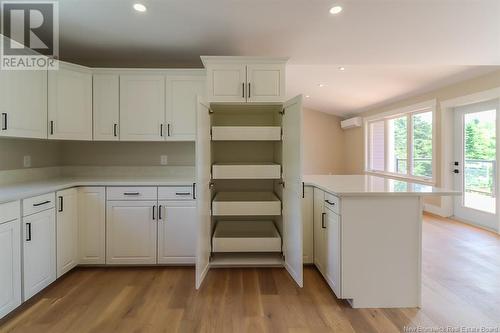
x,y
265,83
182,103
333,240
177,232
39,234
319,230
131,229
203,192
67,230
476,163
10,266
142,107
226,83
292,192
23,103
70,103
92,225
106,108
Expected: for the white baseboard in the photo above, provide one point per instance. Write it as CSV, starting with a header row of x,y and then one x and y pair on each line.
x,y
436,210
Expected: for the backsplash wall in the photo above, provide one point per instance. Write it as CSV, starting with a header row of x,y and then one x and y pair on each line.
x,y
44,153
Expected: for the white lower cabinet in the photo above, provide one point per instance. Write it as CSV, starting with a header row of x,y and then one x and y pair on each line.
x,y
177,232
39,251
333,246
10,257
131,231
308,224
319,230
92,225
67,230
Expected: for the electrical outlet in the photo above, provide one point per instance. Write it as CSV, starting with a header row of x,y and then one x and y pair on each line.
x,y
163,159
27,161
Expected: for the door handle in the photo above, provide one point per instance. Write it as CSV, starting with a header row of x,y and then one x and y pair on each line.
x,y
4,121
456,171
323,220
28,232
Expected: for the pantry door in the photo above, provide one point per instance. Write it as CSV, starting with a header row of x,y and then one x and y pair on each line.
x,y
475,165
203,193
292,191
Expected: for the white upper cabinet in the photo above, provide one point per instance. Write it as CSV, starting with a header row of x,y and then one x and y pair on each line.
x,y
245,79
226,82
265,82
181,106
142,107
23,103
67,230
106,107
70,103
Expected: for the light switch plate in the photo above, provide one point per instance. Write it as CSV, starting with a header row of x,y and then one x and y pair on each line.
x,y
27,161
163,159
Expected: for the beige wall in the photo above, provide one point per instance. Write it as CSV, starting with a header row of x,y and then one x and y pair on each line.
x,y
354,153
43,153
323,141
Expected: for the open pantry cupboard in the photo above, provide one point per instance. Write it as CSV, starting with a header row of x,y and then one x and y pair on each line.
x,y
249,173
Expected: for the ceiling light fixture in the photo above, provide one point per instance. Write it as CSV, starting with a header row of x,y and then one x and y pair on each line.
x,y
341,68
335,10
321,85
140,7
307,96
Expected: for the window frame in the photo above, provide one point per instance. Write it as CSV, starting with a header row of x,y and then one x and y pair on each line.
x,y
409,112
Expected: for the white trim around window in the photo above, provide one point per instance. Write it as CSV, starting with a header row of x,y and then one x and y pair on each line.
x,y
409,111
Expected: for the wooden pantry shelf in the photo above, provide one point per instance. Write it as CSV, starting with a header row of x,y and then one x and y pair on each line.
x,y
246,171
246,133
246,236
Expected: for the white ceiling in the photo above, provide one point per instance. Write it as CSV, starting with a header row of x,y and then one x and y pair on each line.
x,y
390,48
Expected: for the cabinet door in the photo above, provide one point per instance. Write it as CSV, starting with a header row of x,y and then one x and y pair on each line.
x,y
39,234
292,191
265,83
106,110
92,225
226,83
176,232
67,230
10,266
333,240
131,232
203,192
142,107
70,103
319,230
307,225
23,103
182,102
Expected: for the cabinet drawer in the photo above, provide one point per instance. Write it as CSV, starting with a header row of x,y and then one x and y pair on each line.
x,y
9,211
175,193
332,202
132,193
39,203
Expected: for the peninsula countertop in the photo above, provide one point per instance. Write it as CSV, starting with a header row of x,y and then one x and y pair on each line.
x,y
367,185
18,191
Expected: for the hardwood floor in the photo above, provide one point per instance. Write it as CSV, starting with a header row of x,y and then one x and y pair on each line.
x,y
461,287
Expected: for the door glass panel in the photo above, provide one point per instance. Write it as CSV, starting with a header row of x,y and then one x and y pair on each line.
x,y
479,160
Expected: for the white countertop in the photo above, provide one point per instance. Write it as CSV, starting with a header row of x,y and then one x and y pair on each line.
x,y
365,185
19,191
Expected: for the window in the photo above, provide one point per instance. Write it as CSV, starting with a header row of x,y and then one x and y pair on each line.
x,y
401,143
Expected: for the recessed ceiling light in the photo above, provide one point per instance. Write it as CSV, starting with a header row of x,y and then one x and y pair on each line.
x,y
321,85
341,68
335,10
140,7
307,96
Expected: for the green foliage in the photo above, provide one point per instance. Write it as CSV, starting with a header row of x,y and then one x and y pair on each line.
x,y
480,140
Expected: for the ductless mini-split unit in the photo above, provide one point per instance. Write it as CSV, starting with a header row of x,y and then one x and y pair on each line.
x,y
351,123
